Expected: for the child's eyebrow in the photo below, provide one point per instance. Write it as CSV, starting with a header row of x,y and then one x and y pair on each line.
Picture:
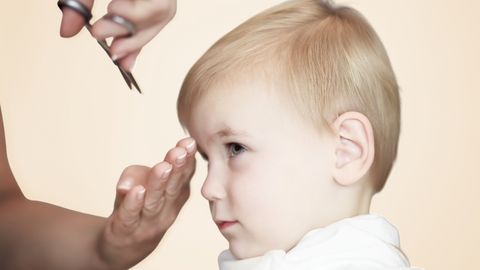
x,y
228,131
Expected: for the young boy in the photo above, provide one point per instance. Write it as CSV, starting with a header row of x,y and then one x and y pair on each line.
x,y
297,112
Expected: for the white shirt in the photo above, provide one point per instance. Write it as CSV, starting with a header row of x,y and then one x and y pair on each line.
x,y
358,243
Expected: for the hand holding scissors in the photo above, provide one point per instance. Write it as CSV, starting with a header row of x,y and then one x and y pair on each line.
x,y
148,16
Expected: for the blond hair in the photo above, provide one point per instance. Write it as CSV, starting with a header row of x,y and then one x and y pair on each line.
x,y
326,60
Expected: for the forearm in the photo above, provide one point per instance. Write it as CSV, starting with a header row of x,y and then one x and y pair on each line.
x,y
37,235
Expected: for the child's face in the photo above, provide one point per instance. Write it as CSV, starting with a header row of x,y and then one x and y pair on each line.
x,y
269,174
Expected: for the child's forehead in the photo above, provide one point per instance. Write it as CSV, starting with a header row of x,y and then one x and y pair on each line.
x,y
236,109
233,96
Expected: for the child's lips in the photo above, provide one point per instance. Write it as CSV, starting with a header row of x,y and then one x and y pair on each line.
x,y
222,225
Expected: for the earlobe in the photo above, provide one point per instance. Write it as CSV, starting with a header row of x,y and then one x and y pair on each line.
x,y
355,147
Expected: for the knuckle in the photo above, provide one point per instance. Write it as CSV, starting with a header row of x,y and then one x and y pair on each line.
x,y
154,207
166,8
172,191
113,6
131,169
173,153
95,31
126,224
136,172
132,210
178,191
184,142
120,7
181,185
161,167
189,171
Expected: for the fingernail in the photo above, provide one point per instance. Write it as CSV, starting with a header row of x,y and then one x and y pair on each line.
x,y
140,195
124,187
126,184
181,159
167,173
190,147
133,66
115,57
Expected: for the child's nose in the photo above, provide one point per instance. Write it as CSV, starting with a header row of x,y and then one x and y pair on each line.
x,y
213,188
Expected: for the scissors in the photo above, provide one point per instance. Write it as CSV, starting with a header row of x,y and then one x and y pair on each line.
x,y
87,15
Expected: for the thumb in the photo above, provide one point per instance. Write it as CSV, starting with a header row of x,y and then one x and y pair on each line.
x,y
72,22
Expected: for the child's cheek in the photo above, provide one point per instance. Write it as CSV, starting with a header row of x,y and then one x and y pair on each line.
x,y
240,163
248,175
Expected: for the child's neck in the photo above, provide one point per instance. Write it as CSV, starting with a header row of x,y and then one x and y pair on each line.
x,y
350,201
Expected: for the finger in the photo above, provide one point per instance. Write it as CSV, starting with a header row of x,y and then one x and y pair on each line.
x,y
149,18
183,167
72,22
177,182
125,45
132,176
175,203
128,62
128,215
189,167
105,28
144,13
189,144
154,199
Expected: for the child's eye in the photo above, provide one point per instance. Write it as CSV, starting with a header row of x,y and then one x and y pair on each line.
x,y
236,149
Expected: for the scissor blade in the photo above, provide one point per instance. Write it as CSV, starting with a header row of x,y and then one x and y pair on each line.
x,y
130,79
87,15
104,45
125,77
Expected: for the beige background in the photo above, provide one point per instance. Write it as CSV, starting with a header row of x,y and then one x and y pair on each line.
x,y
72,125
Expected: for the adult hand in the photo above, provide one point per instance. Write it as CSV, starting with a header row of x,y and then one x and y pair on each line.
x,y
36,235
147,203
148,16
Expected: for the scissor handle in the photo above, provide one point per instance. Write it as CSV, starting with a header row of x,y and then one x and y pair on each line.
x,y
87,15
121,21
78,7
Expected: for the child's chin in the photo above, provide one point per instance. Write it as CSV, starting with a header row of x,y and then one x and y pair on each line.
x,y
242,251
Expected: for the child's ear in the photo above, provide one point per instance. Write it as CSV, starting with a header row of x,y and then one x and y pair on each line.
x,y
355,148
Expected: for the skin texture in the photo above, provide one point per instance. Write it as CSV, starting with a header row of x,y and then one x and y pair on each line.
x,y
271,177
38,235
148,16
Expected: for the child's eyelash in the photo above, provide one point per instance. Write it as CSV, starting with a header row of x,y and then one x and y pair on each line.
x,y
235,149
